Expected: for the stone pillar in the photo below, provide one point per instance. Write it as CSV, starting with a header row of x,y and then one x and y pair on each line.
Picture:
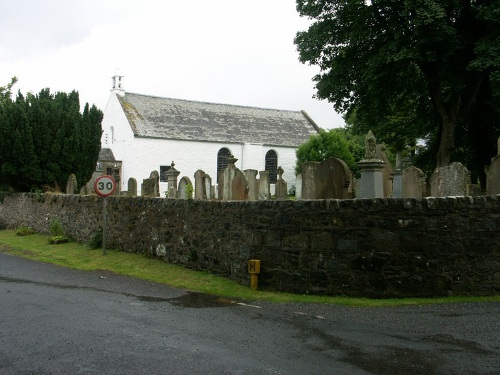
x,y
371,169
172,175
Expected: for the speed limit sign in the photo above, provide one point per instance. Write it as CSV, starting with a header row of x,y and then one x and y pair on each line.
x,y
104,186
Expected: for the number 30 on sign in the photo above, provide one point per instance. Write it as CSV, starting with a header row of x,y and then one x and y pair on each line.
x,y
104,186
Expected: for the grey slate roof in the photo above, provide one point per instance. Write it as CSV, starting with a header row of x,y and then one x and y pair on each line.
x,y
178,119
105,154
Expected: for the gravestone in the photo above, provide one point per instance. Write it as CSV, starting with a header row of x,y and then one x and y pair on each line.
x,y
233,182
298,186
172,175
208,187
371,184
71,184
397,179
185,190
452,180
251,176
264,186
413,183
151,186
200,185
308,172
281,189
493,174
387,171
132,187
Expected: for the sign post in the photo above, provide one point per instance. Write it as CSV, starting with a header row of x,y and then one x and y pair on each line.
x,y
104,186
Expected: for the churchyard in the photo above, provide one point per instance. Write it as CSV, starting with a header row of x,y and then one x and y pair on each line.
x,y
386,234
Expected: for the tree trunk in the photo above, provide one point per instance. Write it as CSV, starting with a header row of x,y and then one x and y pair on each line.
x,y
446,142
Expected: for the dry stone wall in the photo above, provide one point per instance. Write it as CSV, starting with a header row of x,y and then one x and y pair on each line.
x,y
360,247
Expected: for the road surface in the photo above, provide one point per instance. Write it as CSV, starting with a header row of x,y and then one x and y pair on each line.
x,y
55,320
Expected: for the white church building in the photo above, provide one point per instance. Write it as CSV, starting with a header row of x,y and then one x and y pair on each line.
x,y
143,133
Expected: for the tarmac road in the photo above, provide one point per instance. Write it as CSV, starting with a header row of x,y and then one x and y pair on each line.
x,y
55,320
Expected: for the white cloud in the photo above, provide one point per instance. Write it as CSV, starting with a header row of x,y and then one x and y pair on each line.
x,y
226,51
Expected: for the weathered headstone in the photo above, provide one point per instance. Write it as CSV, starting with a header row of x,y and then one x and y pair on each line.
x,y
234,184
387,171
298,186
264,186
251,176
397,179
493,174
132,187
371,184
413,183
308,172
452,180
71,184
281,189
151,186
200,185
208,187
185,190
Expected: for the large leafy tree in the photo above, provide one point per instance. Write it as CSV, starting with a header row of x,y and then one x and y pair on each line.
x,y
411,68
44,138
335,143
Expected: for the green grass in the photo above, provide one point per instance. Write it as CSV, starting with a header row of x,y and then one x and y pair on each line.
x,y
77,256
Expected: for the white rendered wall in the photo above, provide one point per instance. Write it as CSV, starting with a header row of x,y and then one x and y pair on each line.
x,y
141,156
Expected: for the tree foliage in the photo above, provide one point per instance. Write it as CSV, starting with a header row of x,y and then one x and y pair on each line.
x,y
44,138
408,69
335,143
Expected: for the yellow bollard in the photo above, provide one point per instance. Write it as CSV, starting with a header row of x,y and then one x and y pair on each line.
x,y
254,270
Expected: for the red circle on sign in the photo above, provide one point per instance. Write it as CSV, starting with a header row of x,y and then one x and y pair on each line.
x,y
104,186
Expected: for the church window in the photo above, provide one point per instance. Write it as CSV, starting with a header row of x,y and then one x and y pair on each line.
x,y
222,162
272,165
163,172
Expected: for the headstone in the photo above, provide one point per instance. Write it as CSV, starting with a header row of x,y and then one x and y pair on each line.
x,y
308,172
234,184
200,185
452,180
151,186
71,184
185,190
298,186
387,172
371,184
172,175
208,187
132,187
397,179
251,176
413,183
264,186
281,189
493,174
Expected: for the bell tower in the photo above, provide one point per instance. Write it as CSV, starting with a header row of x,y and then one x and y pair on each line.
x,y
117,81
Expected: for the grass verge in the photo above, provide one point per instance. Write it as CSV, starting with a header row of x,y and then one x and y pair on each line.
x,y
81,257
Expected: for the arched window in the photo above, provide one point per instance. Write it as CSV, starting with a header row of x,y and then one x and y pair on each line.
x,y
222,163
272,165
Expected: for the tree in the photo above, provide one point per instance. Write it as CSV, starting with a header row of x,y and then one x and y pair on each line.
x,y
6,91
44,138
419,62
329,144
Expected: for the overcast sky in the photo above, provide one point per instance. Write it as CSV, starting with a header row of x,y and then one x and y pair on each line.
x,y
222,51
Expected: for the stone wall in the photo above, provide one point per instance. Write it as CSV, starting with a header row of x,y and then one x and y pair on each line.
x,y
361,247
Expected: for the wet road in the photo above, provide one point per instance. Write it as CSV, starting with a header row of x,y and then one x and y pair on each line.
x,y
61,321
